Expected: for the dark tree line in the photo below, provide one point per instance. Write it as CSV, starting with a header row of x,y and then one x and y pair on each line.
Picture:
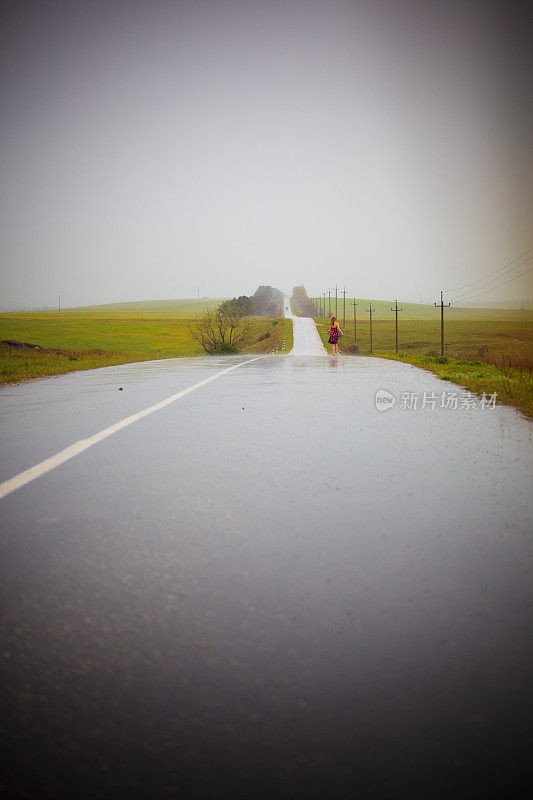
x,y
265,302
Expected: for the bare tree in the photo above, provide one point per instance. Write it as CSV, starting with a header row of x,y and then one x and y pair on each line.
x,y
221,330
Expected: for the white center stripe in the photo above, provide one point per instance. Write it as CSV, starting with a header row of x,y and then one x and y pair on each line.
x,y
83,444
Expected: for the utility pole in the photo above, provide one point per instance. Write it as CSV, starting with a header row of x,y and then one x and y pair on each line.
x,y
396,309
336,289
441,304
198,292
354,304
370,312
344,308
329,296
59,302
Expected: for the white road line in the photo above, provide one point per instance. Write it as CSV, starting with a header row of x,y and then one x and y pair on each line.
x,y
12,484
306,337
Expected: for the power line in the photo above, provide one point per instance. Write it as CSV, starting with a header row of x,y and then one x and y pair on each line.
x,y
487,288
497,280
491,288
509,266
486,284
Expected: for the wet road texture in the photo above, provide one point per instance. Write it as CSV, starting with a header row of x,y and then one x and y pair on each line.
x,y
266,589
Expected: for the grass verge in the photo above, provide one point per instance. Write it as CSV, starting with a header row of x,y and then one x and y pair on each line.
x,y
514,386
73,342
288,334
267,334
481,355
18,364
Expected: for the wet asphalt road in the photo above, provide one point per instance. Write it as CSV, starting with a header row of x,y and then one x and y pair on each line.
x,y
306,341
266,589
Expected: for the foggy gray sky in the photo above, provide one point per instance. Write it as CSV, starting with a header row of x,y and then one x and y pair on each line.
x,y
150,146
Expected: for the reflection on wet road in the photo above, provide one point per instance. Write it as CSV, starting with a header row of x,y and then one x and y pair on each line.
x,y
268,588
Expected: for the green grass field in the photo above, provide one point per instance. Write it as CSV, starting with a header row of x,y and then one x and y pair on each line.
x,y
466,338
154,337
87,338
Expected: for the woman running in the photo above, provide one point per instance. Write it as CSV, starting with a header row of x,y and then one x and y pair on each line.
x,y
334,331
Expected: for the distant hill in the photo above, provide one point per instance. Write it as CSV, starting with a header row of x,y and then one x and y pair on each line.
x,y
383,309
186,307
268,301
516,304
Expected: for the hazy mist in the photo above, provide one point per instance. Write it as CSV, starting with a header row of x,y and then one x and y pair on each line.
x,y
148,147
